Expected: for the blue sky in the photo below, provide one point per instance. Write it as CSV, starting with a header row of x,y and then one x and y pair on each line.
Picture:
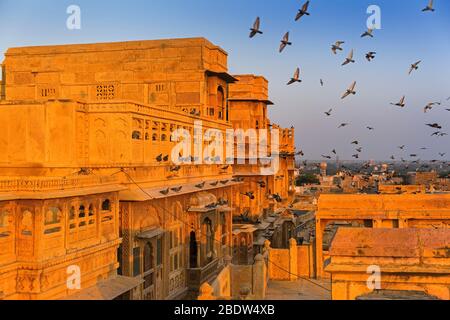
x,y
407,35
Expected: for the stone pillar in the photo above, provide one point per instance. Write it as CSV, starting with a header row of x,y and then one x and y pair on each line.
x,y
199,254
259,278
227,260
206,292
293,260
319,249
266,256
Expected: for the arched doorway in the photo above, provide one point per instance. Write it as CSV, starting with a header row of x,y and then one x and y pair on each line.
x,y
149,272
221,104
193,251
208,231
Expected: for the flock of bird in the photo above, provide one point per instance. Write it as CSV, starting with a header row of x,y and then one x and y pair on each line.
x,y
351,90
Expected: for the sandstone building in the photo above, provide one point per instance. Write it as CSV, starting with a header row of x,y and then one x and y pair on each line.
x,y
88,178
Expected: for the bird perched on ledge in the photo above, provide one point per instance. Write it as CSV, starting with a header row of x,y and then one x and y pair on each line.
x,y
261,183
165,192
177,189
200,185
249,194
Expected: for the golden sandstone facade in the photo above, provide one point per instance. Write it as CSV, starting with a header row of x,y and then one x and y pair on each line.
x,y
88,178
406,236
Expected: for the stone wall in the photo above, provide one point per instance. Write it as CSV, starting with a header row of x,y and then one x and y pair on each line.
x,y
160,72
408,260
396,189
238,282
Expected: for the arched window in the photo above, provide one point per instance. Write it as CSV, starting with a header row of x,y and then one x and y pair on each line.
x,y
148,257
193,250
91,214
209,232
52,216
223,222
136,135
81,212
221,103
106,205
91,210
72,217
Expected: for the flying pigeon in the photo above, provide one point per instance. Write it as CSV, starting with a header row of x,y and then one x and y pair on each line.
x,y
430,105
434,125
429,7
337,46
349,59
370,56
303,11
368,33
350,90
285,42
414,66
401,103
295,78
255,30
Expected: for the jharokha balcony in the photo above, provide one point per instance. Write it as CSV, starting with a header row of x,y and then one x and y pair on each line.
x,y
198,276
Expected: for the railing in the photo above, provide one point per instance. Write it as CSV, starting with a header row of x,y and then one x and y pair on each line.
x,y
198,276
43,184
165,113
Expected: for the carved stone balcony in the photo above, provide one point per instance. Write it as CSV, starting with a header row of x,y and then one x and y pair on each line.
x,y
197,276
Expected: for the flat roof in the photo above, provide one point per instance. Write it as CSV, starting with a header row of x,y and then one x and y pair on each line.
x,y
111,46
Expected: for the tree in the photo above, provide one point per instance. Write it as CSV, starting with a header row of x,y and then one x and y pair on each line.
x,y
307,178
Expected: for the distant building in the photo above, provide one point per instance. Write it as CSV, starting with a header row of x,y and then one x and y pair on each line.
x,y
422,178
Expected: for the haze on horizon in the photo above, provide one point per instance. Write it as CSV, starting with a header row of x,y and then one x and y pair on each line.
x,y
407,35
